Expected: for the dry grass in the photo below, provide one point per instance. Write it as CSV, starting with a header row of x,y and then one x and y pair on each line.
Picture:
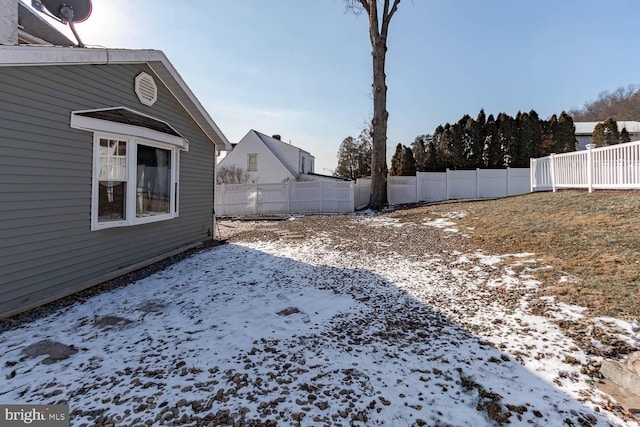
x,y
594,239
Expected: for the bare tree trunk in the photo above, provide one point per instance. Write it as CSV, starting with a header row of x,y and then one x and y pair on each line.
x,y
379,168
378,30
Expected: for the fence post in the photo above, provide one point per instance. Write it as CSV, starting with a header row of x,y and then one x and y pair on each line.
x,y
356,194
418,186
255,201
477,181
532,174
353,195
590,148
446,184
552,171
219,195
507,180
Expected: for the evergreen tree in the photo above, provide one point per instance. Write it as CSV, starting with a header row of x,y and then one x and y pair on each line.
x,y
464,142
444,154
624,136
407,162
508,136
493,155
597,137
611,134
365,148
527,139
419,148
396,169
432,162
550,129
499,142
347,159
536,127
477,132
456,145
435,161
565,135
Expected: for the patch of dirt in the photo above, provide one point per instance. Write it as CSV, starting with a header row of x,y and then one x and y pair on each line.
x,y
228,228
288,311
111,322
152,306
55,350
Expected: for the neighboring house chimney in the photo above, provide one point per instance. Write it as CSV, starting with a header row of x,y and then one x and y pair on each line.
x,y
8,22
278,137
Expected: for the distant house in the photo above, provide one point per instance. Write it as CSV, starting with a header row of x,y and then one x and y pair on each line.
x,y
584,130
267,159
107,164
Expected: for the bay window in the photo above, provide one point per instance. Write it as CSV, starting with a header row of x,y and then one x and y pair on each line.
x,y
135,181
135,166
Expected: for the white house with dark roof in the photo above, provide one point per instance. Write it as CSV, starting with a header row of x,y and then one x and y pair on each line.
x,y
267,159
584,131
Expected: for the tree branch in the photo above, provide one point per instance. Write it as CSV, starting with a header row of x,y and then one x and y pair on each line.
x,y
388,14
365,6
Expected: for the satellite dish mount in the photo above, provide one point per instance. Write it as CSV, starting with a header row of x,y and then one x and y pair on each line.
x,y
65,11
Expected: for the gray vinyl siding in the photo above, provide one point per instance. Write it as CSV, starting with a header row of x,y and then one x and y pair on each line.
x,y
47,248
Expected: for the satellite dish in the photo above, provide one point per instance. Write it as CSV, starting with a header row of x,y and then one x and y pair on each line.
x,y
66,11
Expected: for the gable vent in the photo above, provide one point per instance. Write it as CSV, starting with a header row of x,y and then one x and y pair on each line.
x,y
146,89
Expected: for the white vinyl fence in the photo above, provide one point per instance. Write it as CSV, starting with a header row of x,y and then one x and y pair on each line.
x,y
284,198
613,167
344,197
438,186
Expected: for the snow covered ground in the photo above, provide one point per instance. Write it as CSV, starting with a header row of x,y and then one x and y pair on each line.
x,y
314,332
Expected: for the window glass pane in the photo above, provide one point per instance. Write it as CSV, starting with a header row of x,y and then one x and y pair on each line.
x,y
113,160
112,176
253,163
153,184
111,201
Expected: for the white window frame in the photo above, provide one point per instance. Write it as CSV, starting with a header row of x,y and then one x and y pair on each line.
x,y
130,199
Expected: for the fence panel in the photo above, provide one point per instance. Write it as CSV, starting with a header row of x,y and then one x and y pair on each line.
x,y
431,186
401,189
518,181
338,197
570,170
362,194
617,166
541,174
492,182
613,167
236,199
305,197
461,184
284,198
272,198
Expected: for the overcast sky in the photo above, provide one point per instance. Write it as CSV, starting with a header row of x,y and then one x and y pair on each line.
x,y
302,68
